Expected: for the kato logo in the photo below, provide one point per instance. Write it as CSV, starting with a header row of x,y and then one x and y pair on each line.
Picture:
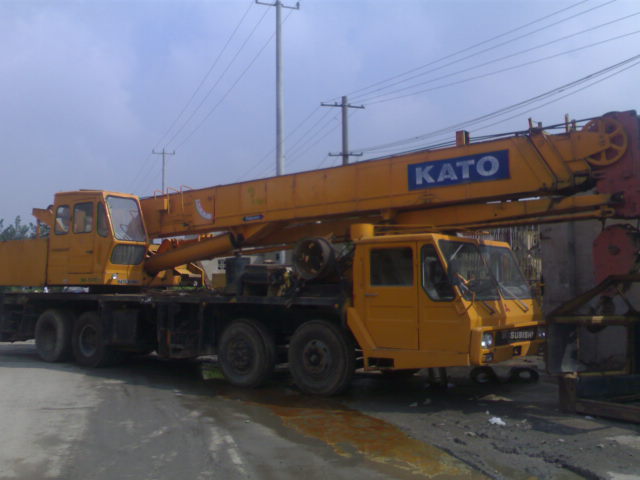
x,y
455,171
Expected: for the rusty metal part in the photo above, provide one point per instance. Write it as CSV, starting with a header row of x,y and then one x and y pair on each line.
x,y
612,133
615,251
590,382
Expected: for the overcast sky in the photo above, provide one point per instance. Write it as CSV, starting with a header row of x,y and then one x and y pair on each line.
x,y
89,88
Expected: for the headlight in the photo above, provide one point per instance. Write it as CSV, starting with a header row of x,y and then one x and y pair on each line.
x,y
541,332
487,340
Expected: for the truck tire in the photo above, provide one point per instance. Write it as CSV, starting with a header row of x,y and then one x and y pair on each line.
x,y
53,335
247,353
88,342
321,358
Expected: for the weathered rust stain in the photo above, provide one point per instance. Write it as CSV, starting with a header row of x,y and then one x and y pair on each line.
x,y
348,431
351,433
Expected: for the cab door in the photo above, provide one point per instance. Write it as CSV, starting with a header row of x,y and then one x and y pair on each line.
x,y
390,295
81,253
443,328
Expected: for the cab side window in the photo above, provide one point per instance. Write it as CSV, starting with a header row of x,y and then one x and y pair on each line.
x,y
391,267
434,278
103,222
63,219
83,217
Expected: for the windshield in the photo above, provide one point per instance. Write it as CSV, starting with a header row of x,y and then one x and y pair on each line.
x,y
467,270
505,270
126,219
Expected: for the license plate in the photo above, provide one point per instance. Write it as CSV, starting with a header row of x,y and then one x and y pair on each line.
x,y
512,336
521,335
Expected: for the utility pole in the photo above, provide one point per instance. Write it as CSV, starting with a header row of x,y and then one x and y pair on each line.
x,y
279,85
164,162
345,130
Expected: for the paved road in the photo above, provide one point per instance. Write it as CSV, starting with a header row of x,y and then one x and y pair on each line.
x,y
152,419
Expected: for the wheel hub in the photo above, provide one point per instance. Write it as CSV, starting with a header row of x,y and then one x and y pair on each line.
x,y
316,357
240,355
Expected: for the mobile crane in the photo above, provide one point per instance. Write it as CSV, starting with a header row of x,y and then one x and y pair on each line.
x,y
381,279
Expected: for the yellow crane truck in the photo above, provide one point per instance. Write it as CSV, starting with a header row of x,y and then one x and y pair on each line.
x,y
381,277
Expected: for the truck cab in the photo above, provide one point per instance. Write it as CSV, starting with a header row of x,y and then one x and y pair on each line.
x,y
439,300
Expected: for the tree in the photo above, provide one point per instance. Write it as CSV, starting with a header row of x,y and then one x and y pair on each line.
x,y
17,231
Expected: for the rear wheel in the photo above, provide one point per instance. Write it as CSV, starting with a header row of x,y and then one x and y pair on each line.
x,y
247,353
53,335
321,358
89,346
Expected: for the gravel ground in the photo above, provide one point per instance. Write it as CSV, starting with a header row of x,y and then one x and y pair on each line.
x,y
507,430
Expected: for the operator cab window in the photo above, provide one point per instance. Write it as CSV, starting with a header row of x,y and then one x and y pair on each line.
x,y
391,267
83,217
435,280
63,219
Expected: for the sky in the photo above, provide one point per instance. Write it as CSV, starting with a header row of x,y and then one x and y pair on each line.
x,y
89,88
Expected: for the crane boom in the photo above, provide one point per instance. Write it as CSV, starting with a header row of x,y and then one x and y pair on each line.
x,y
470,185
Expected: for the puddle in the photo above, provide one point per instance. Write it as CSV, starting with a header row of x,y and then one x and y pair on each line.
x,y
351,433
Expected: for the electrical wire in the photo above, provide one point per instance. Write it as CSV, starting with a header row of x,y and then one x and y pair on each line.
x,y
495,72
230,89
304,146
270,152
206,75
361,91
507,109
146,162
220,77
319,132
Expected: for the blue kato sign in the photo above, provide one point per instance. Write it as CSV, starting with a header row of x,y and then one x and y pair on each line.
x,y
455,171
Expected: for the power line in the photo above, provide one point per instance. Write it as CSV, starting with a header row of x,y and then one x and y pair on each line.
x,y
467,49
146,162
561,97
226,94
220,77
321,134
270,152
495,72
519,114
305,145
520,52
308,132
206,75
507,109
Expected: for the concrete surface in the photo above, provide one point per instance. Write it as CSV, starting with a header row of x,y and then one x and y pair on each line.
x,y
151,419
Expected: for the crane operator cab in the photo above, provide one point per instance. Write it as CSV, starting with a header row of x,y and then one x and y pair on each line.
x,y
96,238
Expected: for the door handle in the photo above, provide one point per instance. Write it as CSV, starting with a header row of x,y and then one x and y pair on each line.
x,y
370,294
89,251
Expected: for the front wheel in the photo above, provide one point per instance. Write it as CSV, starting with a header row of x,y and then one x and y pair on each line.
x,y
321,358
247,353
88,342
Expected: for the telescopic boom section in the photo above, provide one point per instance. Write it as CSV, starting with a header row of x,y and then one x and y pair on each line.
x,y
470,185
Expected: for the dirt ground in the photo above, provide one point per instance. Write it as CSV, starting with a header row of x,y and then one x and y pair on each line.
x,y
136,419
508,430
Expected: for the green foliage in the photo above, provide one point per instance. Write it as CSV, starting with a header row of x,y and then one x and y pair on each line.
x,y
17,230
